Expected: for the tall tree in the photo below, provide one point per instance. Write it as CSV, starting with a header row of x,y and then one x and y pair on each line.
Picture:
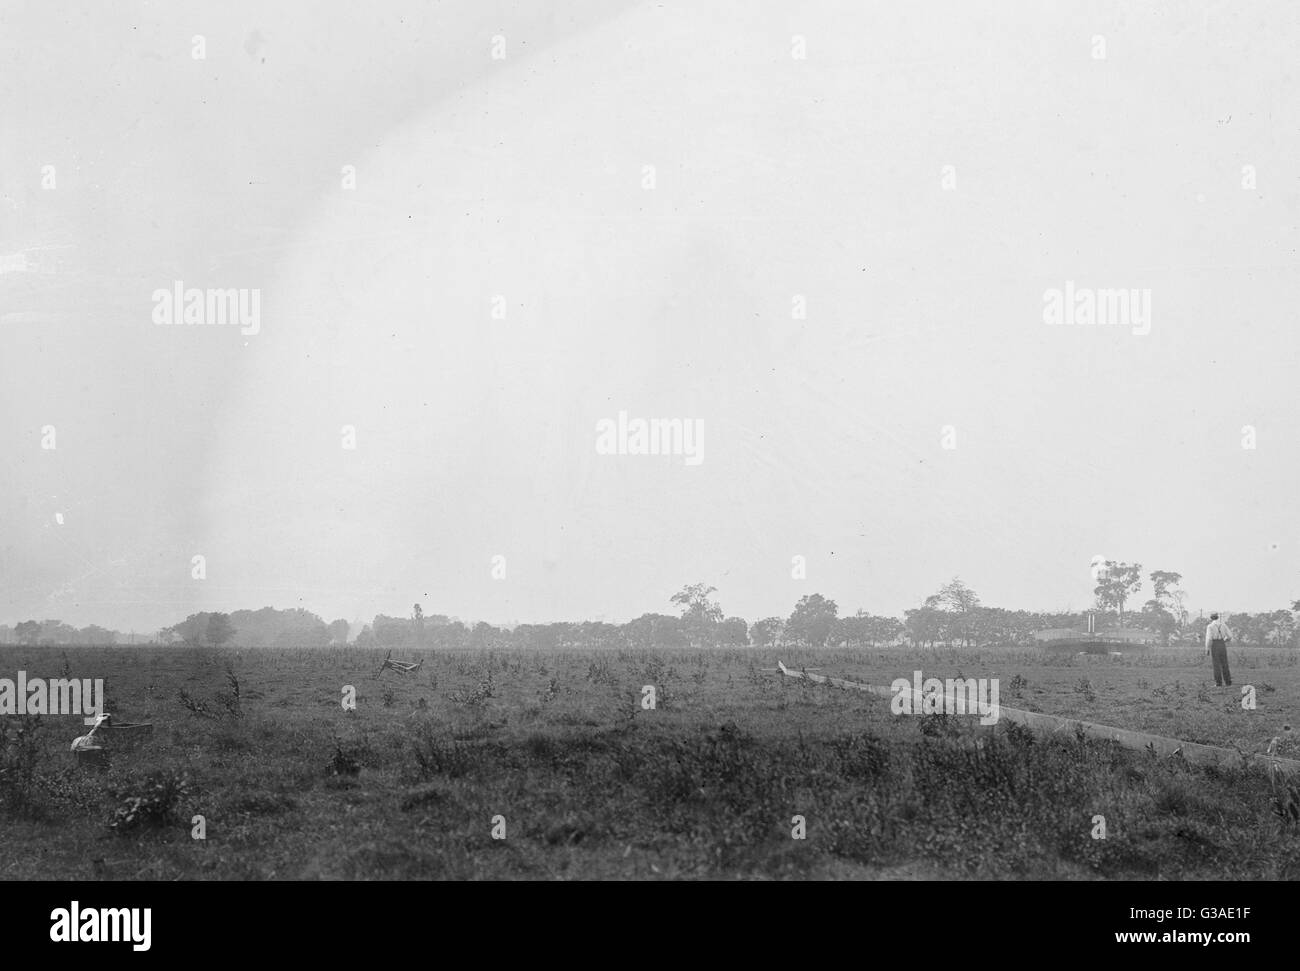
x,y
1282,628
957,597
733,632
653,630
1116,583
766,632
191,631
923,624
1156,617
57,632
813,620
1166,592
884,629
700,614
854,631
220,630
960,603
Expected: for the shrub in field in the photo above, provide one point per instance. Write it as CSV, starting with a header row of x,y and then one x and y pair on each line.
x,y
574,829
862,756
721,788
151,801
541,747
231,739
21,753
1286,806
195,706
476,697
434,755
343,762
231,701
654,670
552,691
939,725
598,672
1175,796
1018,736
423,797
73,789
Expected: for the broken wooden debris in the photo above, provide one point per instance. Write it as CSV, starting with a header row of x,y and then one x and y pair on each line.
x,y
401,667
89,748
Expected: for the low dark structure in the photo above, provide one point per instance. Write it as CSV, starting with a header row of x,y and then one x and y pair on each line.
x,y
1066,640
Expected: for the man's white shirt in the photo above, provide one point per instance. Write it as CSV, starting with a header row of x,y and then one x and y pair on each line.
x,y
1216,630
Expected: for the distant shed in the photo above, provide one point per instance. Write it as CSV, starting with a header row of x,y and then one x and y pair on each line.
x,y
1128,635
1059,634
1104,642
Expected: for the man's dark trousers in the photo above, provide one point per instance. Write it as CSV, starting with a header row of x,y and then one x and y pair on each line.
x,y
1219,658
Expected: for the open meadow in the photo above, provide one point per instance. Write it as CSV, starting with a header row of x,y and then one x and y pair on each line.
x,y
555,752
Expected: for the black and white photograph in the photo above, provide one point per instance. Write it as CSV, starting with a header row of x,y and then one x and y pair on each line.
x,y
616,442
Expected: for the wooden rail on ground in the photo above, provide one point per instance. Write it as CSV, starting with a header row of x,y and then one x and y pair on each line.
x,y
1193,752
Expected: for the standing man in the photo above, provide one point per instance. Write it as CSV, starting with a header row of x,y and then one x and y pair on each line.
x,y
1217,636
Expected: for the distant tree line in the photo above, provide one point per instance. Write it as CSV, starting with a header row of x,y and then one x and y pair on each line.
x,y
267,627
953,616
49,632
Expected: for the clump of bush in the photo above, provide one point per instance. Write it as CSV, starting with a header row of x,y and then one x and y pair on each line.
x,y
939,725
152,801
343,762
478,696
227,704
21,753
434,757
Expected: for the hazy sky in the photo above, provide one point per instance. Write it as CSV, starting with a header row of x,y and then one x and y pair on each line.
x,y
664,293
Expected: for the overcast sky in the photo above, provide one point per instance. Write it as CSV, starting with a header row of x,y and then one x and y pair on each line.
x,y
798,155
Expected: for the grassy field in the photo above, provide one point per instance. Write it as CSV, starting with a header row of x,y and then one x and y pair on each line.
x,y
588,784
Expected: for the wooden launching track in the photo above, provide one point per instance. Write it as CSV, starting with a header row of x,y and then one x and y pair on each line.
x,y
1193,752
